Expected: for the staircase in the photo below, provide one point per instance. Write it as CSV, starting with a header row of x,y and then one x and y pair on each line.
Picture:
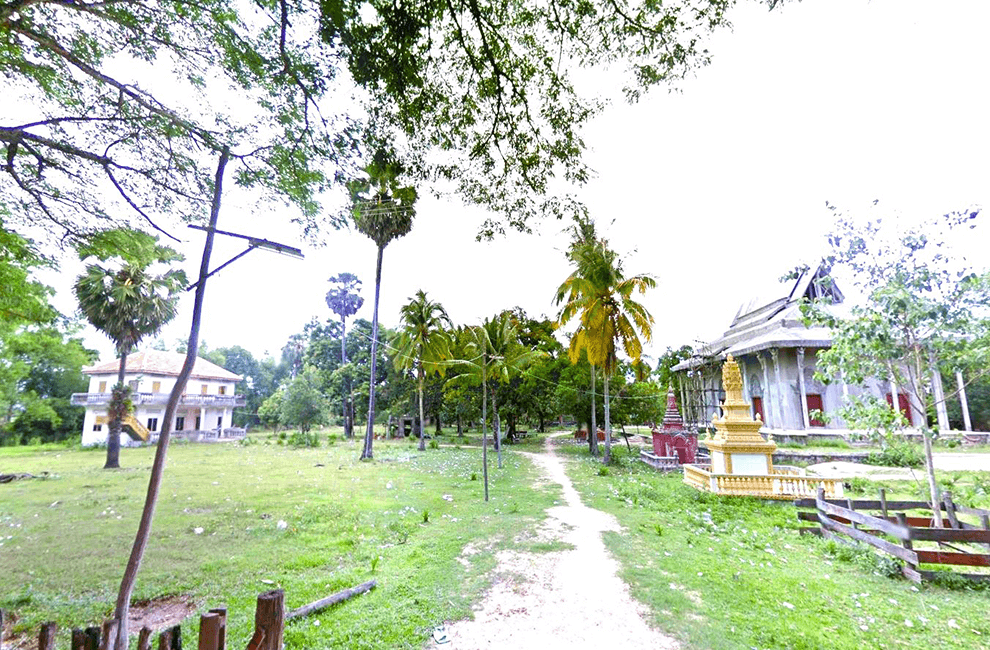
x,y
135,429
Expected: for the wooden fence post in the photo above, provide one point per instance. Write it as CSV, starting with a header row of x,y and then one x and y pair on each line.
x,y
46,636
209,632
221,612
269,618
883,502
144,638
170,639
1,629
950,509
108,635
909,570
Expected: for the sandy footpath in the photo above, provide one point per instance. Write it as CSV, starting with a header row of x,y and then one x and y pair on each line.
x,y
570,599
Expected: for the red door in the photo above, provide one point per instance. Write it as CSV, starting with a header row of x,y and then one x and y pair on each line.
x,y
758,408
815,403
904,403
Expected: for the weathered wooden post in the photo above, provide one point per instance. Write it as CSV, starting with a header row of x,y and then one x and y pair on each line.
x,y
269,618
108,635
170,639
909,570
222,613
144,638
88,639
46,636
209,631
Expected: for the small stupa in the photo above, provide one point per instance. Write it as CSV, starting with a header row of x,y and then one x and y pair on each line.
x,y
742,461
672,420
737,446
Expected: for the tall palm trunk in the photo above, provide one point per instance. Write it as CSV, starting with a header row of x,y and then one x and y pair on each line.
x,y
608,425
348,408
422,438
113,435
158,466
593,434
369,435
484,422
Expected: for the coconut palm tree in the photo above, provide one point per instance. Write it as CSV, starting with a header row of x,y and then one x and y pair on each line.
x,y
345,301
602,297
121,295
422,343
383,210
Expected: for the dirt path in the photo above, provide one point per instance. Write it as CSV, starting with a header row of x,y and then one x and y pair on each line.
x,y
569,599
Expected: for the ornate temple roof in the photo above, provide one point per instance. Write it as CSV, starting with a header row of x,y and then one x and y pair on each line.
x,y
761,324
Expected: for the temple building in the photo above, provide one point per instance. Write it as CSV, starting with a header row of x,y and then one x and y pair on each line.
x,y
777,357
205,409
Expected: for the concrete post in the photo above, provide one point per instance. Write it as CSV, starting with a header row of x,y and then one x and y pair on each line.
x,y
778,393
802,389
767,394
963,402
942,415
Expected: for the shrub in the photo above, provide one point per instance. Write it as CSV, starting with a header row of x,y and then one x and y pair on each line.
x,y
897,454
300,439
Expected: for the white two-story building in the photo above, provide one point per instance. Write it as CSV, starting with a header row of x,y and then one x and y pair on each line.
x,y
205,409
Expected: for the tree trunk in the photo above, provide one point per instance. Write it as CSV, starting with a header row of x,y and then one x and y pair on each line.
x,y
484,422
158,466
608,425
460,425
348,409
593,434
914,377
369,435
422,438
498,432
113,435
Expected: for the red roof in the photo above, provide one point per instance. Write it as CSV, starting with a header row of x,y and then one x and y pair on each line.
x,y
156,362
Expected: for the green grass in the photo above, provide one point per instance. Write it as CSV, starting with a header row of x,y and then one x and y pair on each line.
x,y
734,573
65,540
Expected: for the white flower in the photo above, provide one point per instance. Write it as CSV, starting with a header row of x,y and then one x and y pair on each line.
x,y
953,624
281,525
908,622
787,605
198,530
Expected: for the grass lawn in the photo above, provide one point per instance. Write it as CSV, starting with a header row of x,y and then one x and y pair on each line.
x,y
404,519
727,573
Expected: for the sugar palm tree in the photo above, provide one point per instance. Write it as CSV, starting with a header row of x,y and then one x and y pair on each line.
x,y
383,210
126,300
602,297
345,301
422,343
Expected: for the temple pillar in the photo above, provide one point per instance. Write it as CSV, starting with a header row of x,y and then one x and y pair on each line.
x,y
894,397
941,414
802,389
684,409
963,402
779,393
767,392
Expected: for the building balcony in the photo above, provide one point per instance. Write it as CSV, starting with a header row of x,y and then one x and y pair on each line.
x,y
139,399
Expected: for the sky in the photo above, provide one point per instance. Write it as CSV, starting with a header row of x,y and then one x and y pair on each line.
x,y
716,190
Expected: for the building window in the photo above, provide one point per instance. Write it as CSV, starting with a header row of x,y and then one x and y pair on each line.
x,y
156,386
220,422
97,427
223,390
103,387
152,424
197,423
203,389
180,423
815,404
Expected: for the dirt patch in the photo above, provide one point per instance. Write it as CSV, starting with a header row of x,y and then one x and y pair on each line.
x,y
156,614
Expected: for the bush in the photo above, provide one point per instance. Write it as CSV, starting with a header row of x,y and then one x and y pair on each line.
x,y
300,439
898,454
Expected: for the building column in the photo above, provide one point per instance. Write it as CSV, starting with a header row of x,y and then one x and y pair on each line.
x,y
746,395
941,414
767,395
963,402
895,402
802,389
775,353
684,408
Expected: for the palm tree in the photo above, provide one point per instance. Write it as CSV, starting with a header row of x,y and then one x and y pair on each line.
x,y
600,294
495,353
125,300
383,210
424,343
345,301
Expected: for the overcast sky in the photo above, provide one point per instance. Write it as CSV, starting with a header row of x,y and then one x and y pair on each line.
x,y
716,191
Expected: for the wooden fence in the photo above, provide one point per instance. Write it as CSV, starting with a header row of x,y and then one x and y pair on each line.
x,y
270,617
893,531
